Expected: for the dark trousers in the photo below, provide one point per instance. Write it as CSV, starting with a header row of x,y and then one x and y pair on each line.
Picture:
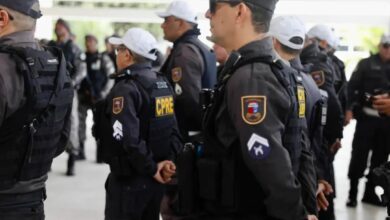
x,y
26,206
329,213
370,134
135,199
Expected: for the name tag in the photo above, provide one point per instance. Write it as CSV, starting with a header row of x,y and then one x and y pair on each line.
x,y
301,101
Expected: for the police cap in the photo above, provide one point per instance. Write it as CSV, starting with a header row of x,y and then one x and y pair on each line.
x,y
23,6
268,5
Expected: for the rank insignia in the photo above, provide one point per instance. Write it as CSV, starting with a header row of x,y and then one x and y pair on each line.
x,y
176,74
117,105
258,147
318,77
253,109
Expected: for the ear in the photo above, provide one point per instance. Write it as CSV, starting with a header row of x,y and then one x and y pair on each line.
x,y
242,12
4,18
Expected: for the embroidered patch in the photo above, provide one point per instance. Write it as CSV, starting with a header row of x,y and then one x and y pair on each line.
x,y
117,105
118,130
176,74
253,109
318,77
164,106
178,89
258,147
301,101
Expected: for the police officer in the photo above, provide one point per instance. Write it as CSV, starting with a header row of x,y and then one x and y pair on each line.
x,y
245,171
77,68
143,137
95,86
289,35
190,66
371,77
110,50
321,70
35,105
328,43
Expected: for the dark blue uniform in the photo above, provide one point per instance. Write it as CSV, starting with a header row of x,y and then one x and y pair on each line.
x,y
144,132
322,72
371,75
190,67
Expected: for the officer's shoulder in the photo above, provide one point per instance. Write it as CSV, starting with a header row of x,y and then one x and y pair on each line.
x,y
125,87
185,49
253,71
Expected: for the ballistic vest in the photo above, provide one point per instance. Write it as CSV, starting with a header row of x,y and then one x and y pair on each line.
x,y
30,137
227,159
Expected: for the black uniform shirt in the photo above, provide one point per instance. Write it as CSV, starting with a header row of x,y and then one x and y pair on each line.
x,y
254,111
183,68
125,102
370,75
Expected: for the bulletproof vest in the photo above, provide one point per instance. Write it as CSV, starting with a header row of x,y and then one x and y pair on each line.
x,y
209,76
96,77
226,158
156,120
157,115
29,138
376,77
69,54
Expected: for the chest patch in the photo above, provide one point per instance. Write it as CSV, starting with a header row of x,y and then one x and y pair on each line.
x,y
253,109
164,106
318,77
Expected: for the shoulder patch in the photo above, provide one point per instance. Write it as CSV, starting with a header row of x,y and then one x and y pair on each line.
x,y
258,147
164,106
117,105
253,109
318,77
176,74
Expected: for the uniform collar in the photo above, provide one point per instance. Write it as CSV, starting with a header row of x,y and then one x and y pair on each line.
x,y
296,63
258,48
135,69
190,33
22,38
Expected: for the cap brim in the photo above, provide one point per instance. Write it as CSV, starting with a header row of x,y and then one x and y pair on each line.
x,y
115,41
163,14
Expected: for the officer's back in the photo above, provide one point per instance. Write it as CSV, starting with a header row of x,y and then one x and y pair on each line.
x,y
35,103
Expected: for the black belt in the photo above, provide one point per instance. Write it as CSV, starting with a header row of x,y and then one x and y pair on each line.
x,y
22,199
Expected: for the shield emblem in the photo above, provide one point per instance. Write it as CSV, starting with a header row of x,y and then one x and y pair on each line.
x,y
117,105
176,74
318,77
253,109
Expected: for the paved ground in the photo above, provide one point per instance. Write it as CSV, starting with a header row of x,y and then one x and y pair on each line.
x,y
82,197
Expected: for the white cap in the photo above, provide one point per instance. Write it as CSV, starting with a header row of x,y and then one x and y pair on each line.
x,y
139,41
284,28
385,39
321,32
334,43
180,9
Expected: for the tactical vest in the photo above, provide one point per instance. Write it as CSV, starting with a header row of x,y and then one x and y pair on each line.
x,y
209,76
223,162
157,121
30,137
96,77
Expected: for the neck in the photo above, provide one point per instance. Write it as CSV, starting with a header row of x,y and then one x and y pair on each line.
x,y
7,31
63,39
